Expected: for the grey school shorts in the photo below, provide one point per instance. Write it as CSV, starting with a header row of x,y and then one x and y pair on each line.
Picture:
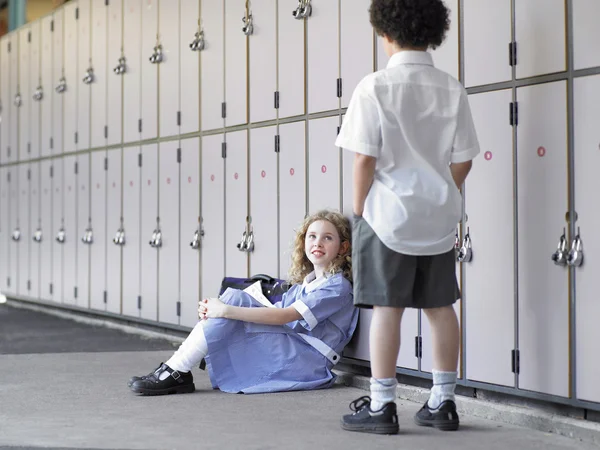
x,y
383,277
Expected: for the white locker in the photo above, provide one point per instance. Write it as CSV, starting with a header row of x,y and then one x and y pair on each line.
x,y
98,212
73,82
212,74
24,216
149,212
132,179
84,63
189,73
99,88
5,99
213,216
292,189
35,224
322,57
446,56
132,51
290,72
236,202
46,75
356,46
113,224
58,223
323,165
35,82
487,26
169,28
189,223
114,81
24,90
13,250
586,204
58,71
47,245
263,200
263,61
585,34
540,38
489,294
83,223
236,64
542,199
149,71
15,91
168,213
358,347
69,279
4,227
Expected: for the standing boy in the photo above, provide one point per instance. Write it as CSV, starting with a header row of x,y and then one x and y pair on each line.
x,y
411,129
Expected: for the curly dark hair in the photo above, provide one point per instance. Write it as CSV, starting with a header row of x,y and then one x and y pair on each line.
x,y
414,23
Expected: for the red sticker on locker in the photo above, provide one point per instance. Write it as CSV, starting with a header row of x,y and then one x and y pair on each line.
x,y
168,181
263,174
541,151
324,168
212,178
236,176
149,182
487,156
292,171
131,183
189,179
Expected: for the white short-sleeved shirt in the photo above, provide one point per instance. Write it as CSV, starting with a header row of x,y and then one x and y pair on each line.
x,y
415,119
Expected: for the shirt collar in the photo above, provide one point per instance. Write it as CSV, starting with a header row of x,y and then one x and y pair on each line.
x,y
311,282
410,57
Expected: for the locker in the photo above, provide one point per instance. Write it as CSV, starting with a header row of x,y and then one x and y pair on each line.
x,y
84,63
71,64
98,219
213,216
236,202
358,347
542,199
132,51
292,189
189,224
113,224
149,212
35,81
46,72
33,289
132,178
323,165
114,81
322,57
263,200
489,294
5,98
15,90
13,250
169,28
189,74
212,61
4,227
83,223
541,38
58,71
149,71
587,309
24,90
263,60
585,32
236,64
47,245
290,71
99,88
356,46
24,224
58,223
69,278
168,213
487,26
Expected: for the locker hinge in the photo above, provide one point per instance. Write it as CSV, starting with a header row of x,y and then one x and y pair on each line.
x,y
77,13
276,99
178,155
76,167
514,113
106,2
223,110
139,160
52,25
8,151
29,147
29,36
75,291
29,174
224,150
512,54
139,302
51,289
105,131
277,140
140,125
9,47
7,281
516,361
105,297
28,285
51,171
178,309
76,137
105,163
178,118
51,142
8,176
338,129
418,347
339,87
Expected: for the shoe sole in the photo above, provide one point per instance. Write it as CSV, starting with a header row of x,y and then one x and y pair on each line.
x,y
374,428
446,425
188,389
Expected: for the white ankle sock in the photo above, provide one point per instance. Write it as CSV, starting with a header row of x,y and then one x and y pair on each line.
x,y
383,391
190,352
444,384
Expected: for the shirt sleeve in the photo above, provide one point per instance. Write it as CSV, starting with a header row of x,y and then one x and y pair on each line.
x,y
466,145
317,306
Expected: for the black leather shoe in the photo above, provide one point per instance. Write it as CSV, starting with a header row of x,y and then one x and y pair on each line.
x,y
365,420
143,377
175,383
444,418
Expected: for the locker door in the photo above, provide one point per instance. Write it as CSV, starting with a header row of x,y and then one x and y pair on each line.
x,y
409,331
323,165
35,224
83,223
98,212
586,204
24,90
73,81
84,93
189,223
71,231
35,81
58,71
290,71
489,294
113,223
213,216
149,99
356,46
169,27
132,178
542,199
58,223
168,253
149,212
4,227
263,60
236,64
445,57
99,87
114,81
15,89
541,38
132,51
5,98
323,48
487,35
24,216
263,200
13,250
189,73
585,33
46,72
292,189
47,247
358,347
212,74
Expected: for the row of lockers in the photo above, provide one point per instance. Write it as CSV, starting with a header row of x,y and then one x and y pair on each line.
x,y
97,73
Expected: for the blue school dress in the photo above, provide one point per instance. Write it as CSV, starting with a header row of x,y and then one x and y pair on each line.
x,y
254,358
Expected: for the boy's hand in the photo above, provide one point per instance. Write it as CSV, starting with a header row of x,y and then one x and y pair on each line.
x,y
211,308
363,171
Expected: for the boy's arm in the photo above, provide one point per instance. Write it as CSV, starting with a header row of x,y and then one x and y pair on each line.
x,y
460,171
363,173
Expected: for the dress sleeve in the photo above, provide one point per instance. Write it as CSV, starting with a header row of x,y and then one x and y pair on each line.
x,y
317,306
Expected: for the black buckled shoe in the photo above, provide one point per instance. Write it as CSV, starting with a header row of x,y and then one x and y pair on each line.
x,y
175,383
143,377
444,418
365,420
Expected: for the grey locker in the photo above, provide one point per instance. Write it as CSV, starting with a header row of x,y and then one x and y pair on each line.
x,y
14,229
58,71
24,224
132,51
114,213
35,82
70,227
585,34
446,56
189,73
99,88
58,224
4,229
323,165
73,82
84,64
114,81
149,223
35,221
212,73
132,179
5,99
15,92
149,71
83,224
24,90
236,64
98,219
47,245
47,85
169,88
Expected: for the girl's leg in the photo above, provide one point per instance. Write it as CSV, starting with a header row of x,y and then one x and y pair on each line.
x,y
191,351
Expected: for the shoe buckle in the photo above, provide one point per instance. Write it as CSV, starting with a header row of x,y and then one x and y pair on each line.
x,y
176,375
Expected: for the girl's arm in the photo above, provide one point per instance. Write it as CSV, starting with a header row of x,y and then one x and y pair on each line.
x,y
213,308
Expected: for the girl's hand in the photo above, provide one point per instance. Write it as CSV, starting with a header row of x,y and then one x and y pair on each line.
x,y
211,308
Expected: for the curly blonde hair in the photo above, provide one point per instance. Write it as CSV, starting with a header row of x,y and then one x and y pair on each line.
x,y
301,265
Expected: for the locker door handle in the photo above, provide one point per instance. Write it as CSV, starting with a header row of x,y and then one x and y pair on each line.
x,y
198,42
121,66
37,236
89,76
157,55
119,238
248,28
61,236
88,236
156,240
18,100
303,11
250,242
575,256
38,94
465,254
198,234
242,244
61,86
560,255
16,235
